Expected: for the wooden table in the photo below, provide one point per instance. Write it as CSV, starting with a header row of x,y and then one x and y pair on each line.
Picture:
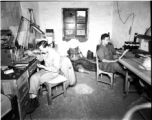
x,y
133,64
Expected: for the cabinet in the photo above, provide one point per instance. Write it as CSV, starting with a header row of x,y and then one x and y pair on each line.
x,y
20,87
17,83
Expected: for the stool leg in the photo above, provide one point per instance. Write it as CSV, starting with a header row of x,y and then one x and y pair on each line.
x,y
97,77
40,93
101,75
49,94
64,89
126,83
114,78
128,86
112,81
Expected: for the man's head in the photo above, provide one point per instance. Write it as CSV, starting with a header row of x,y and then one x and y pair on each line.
x,y
43,46
105,38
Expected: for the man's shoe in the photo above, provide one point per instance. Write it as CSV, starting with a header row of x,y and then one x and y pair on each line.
x,y
35,102
131,78
31,108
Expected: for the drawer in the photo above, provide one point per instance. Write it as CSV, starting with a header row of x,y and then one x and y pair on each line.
x,y
23,90
24,108
33,67
25,98
22,79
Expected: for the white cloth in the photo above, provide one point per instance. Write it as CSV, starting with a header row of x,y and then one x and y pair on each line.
x,y
68,71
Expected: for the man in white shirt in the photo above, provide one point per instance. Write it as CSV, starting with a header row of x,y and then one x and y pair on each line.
x,y
50,70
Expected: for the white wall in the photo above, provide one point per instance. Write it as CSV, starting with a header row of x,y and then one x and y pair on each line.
x,y
10,14
25,10
142,21
100,18
103,17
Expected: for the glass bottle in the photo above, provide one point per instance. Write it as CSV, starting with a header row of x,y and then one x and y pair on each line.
x,y
135,37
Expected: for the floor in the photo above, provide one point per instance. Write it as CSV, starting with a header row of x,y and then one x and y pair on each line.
x,y
87,100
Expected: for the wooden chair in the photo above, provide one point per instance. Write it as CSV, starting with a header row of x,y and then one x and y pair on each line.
x,y
100,72
59,80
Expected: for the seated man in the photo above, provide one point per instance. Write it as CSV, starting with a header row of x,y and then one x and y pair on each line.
x,y
50,70
106,53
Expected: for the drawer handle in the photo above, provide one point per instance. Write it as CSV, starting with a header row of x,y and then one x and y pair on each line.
x,y
24,89
23,79
31,70
26,103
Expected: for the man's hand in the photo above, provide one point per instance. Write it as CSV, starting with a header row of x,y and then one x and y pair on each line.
x,y
118,52
115,56
40,66
36,51
104,60
116,60
28,52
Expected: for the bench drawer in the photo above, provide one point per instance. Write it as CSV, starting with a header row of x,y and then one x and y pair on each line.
x,y
22,79
23,90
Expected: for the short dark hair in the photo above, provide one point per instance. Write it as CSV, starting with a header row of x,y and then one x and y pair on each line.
x,y
104,35
43,43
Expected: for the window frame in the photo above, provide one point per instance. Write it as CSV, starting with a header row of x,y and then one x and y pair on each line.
x,y
82,24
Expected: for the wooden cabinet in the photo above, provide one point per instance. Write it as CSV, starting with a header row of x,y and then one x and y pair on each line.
x,y
19,87
33,67
17,83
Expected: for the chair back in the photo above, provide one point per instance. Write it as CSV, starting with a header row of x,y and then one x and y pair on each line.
x,y
97,65
97,59
97,62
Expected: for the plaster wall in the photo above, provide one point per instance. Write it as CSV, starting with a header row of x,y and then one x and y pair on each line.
x,y
100,16
10,14
141,21
25,10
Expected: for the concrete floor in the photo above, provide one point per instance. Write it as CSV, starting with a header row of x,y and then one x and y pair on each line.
x,y
87,101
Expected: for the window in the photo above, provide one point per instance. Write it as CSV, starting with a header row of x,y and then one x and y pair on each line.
x,y
75,23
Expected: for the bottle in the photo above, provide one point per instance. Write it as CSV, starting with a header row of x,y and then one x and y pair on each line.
x,y
135,37
109,34
125,45
53,44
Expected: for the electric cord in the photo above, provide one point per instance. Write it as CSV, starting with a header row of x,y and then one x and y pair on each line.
x,y
147,30
120,16
124,22
9,97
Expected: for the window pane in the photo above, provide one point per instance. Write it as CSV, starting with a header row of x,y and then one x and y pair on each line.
x,y
75,23
69,26
69,16
80,32
81,16
81,26
70,33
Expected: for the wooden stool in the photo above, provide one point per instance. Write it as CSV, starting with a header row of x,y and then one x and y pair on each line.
x,y
59,80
